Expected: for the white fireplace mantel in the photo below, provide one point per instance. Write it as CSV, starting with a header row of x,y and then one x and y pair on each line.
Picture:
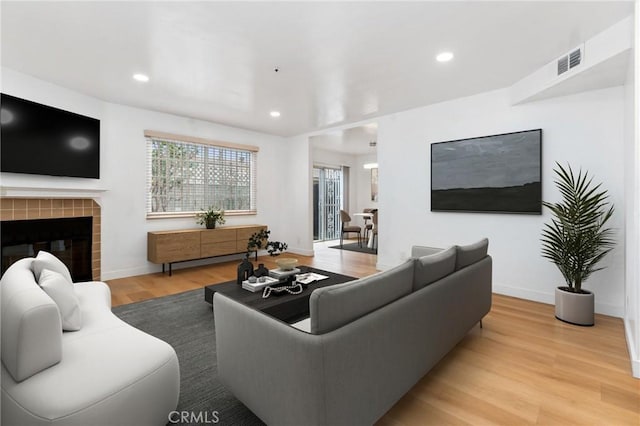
x,y
50,192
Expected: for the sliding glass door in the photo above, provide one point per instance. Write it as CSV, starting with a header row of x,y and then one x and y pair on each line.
x,y
327,200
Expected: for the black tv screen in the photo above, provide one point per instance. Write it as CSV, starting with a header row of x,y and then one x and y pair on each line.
x,y
39,139
499,173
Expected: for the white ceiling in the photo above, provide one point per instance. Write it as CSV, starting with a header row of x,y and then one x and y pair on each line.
x,y
339,62
354,140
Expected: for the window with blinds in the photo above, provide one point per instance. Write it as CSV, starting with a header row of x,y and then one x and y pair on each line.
x,y
186,175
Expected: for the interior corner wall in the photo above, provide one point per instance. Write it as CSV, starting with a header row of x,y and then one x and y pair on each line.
x,y
585,130
632,206
123,171
296,210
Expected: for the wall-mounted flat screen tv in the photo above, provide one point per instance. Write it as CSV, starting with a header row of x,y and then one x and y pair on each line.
x,y
499,173
42,140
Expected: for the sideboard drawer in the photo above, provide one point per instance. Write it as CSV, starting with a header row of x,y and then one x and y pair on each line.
x,y
174,247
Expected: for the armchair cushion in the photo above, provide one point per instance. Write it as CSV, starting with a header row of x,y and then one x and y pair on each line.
x,y
62,292
45,260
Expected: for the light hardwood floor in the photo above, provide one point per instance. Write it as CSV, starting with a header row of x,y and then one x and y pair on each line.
x,y
523,367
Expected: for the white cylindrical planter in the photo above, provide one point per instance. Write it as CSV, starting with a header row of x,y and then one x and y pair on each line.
x,y
575,308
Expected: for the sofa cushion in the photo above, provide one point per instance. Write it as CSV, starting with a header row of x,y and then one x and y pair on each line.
x,y
334,306
420,251
63,293
45,260
433,267
466,255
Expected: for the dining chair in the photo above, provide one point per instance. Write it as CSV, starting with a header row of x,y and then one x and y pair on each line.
x,y
367,226
346,229
374,231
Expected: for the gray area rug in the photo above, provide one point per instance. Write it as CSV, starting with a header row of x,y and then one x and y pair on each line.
x,y
355,247
185,321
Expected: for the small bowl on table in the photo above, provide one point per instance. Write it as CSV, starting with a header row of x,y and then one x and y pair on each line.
x,y
287,263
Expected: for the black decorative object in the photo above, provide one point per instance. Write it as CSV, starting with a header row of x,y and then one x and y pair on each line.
x,y
245,270
260,239
499,173
262,271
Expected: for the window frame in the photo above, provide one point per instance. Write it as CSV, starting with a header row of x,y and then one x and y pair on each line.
x,y
151,135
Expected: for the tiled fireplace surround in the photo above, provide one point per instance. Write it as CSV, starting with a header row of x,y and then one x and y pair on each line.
x,y
48,208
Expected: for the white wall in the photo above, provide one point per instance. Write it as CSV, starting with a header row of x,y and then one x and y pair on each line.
x,y
585,130
363,182
632,206
123,172
296,209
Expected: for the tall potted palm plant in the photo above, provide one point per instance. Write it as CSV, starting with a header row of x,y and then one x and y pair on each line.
x,y
576,240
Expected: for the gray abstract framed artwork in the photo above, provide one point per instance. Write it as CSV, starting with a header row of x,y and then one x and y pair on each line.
x,y
374,184
499,173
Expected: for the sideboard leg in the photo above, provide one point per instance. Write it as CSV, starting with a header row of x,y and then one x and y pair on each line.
x,y
163,269
480,323
170,272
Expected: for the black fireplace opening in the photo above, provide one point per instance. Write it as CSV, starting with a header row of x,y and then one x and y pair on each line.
x,y
69,239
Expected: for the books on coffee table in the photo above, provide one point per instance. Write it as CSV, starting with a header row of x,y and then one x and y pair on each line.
x,y
258,286
310,277
281,273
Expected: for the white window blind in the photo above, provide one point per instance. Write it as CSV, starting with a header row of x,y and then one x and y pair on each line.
x,y
186,175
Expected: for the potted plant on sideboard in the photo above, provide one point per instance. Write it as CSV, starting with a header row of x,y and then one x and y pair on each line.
x,y
210,217
576,240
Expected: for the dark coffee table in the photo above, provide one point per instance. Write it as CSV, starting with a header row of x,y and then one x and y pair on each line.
x,y
286,307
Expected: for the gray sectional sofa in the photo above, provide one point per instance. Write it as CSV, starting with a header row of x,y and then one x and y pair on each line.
x,y
368,341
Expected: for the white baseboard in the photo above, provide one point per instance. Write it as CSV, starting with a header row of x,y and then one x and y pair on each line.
x,y
301,251
522,293
631,347
549,298
151,268
129,272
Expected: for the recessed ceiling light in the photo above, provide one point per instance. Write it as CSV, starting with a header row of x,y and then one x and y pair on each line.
x,y
141,77
275,114
444,57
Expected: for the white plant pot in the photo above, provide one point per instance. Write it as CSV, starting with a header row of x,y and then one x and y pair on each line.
x,y
575,308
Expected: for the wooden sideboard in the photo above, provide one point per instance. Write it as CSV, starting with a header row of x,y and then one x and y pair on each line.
x,y
169,247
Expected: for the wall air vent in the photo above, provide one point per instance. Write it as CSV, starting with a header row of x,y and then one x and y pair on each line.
x,y
563,65
570,60
575,58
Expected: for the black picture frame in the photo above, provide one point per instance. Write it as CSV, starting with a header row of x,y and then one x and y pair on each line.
x,y
499,173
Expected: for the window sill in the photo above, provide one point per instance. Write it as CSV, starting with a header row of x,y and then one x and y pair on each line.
x,y
182,215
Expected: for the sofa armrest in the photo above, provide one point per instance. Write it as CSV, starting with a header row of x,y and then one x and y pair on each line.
x,y
274,369
31,324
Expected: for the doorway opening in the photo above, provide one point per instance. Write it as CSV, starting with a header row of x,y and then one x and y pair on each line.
x,y
327,201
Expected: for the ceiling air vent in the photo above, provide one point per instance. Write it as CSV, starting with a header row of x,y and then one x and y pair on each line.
x,y
570,60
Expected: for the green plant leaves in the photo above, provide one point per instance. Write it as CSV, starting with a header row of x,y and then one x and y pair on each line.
x,y
260,239
576,240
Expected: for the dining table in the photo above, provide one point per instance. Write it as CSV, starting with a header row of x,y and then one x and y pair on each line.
x,y
365,217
